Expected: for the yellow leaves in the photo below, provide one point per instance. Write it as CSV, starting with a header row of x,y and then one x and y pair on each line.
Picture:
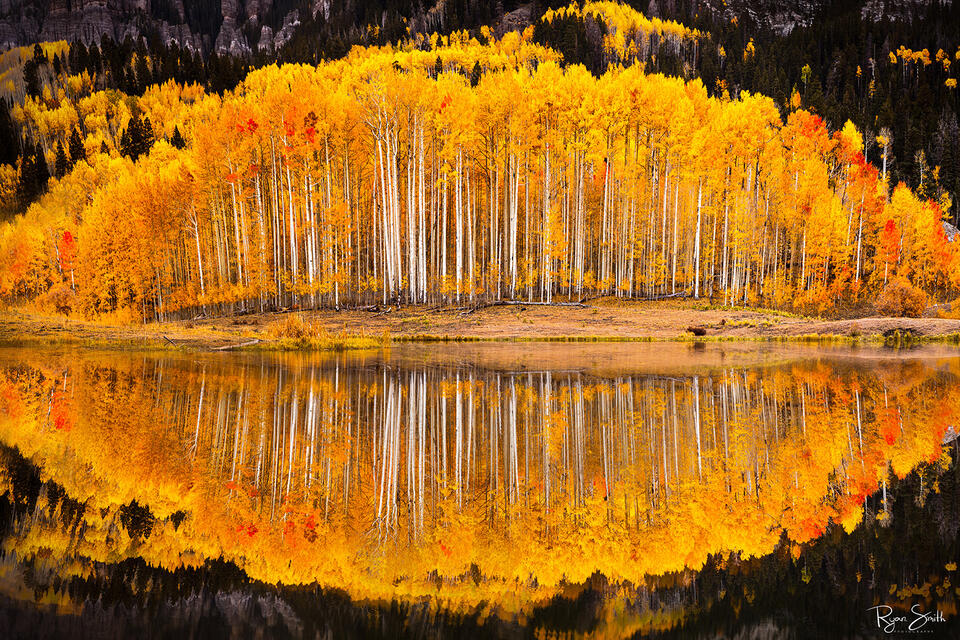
x,y
795,99
205,460
628,148
851,519
851,137
78,84
906,55
950,83
9,175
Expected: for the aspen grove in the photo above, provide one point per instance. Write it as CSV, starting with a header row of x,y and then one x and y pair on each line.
x,y
453,172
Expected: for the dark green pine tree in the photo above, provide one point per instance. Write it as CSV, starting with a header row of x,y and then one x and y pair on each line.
x,y
126,144
95,60
34,176
77,57
62,165
475,74
122,81
27,182
42,171
144,77
31,78
176,140
138,138
77,152
9,139
146,136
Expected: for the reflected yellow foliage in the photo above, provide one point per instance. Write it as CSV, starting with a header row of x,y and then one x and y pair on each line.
x,y
463,485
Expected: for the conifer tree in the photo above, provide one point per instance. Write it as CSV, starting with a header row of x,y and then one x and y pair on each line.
x,y
475,74
62,164
77,152
176,140
42,171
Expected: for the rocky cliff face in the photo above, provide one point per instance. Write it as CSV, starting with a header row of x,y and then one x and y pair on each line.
x,y
235,27
783,16
23,22
242,26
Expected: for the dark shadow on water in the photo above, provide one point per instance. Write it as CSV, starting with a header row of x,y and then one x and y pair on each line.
x,y
825,593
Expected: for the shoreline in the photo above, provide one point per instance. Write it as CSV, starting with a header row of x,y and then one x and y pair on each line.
x,y
601,321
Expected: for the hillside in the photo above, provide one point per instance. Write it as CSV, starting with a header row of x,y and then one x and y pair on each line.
x,y
458,170
888,67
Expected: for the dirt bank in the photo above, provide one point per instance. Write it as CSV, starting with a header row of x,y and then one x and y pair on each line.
x,y
603,319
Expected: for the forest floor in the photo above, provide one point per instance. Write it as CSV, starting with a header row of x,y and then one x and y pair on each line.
x,y
600,320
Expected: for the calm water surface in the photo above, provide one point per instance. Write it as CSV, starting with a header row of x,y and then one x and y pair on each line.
x,y
611,490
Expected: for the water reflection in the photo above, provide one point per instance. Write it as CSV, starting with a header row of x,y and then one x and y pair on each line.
x,y
477,478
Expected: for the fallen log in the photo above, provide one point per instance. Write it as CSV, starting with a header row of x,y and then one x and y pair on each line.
x,y
236,346
678,294
521,303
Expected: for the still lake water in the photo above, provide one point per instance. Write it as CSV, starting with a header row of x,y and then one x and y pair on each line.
x,y
502,490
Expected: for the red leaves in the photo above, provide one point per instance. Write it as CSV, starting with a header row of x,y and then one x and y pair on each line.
x,y
60,412
890,425
596,177
890,436
599,485
810,529
446,102
890,241
232,178
250,126
813,126
10,402
249,529
68,250
61,422
231,485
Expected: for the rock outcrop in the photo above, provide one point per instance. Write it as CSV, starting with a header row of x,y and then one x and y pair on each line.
x,y
240,27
